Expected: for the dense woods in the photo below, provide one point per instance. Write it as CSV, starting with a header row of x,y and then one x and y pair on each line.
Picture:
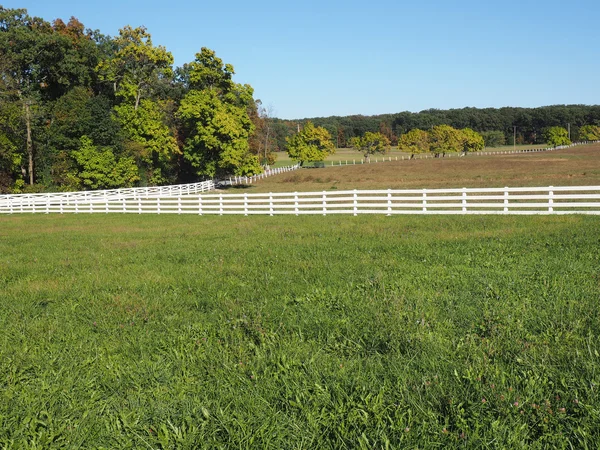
x,y
82,110
496,125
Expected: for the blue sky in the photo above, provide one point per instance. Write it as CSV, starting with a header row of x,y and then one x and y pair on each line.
x,y
314,59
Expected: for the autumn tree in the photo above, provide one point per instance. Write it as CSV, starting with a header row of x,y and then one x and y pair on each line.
x,y
311,144
556,136
370,143
445,139
471,140
415,141
589,133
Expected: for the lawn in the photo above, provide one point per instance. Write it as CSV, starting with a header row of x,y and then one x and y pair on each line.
x,y
574,166
299,332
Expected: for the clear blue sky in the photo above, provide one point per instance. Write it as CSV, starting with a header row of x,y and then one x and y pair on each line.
x,y
321,58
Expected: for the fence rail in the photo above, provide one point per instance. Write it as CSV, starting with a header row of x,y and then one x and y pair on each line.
x,y
107,194
516,200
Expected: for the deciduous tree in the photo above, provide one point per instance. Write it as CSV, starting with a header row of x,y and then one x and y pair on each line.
x,y
415,141
216,121
556,136
310,144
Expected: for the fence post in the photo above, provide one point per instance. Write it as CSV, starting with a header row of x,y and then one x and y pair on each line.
x,y
124,206
505,199
324,203
550,200
61,205
179,204
245,204
158,205
424,200
464,200
389,202
220,204
139,199
296,202
355,203
200,205
270,203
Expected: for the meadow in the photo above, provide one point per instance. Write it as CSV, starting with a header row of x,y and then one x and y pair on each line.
x,y
349,154
574,166
165,332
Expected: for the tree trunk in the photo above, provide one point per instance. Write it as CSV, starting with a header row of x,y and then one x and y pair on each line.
x,y
27,109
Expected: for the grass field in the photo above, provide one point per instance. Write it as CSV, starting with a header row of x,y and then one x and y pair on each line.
x,y
574,166
299,332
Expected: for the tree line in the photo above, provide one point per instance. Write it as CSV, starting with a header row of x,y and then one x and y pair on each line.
x,y
498,126
82,110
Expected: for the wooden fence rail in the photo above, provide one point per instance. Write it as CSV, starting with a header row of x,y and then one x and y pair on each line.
x,y
516,200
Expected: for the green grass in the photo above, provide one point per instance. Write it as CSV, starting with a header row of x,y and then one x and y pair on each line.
x,y
299,332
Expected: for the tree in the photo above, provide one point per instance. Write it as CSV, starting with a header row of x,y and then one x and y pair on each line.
x,y
214,113
415,141
493,138
26,56
311,144
262,140
556,136
146,126
445,139
589,133
371,143
471,140
136,65
98,168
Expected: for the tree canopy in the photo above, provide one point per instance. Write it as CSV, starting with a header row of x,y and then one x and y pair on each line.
x,y
311,144
78,108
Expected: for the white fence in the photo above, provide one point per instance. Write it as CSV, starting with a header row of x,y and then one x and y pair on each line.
x,y
31,201
234,180
523,200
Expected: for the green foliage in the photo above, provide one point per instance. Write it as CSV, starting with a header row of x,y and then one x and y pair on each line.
x,y
146,126
415,141
445,139
147,332
589,133
311,144
471,140
371,143
136,64
556,136
216,121
98,168
493,138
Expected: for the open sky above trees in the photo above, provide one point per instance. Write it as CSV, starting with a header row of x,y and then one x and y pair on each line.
x,y
317,59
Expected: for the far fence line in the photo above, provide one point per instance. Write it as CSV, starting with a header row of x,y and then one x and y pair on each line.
x,y
378,159
235,180
516,200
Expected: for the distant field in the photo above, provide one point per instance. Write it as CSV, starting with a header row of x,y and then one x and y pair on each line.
x,y
574,166
350,154
158,332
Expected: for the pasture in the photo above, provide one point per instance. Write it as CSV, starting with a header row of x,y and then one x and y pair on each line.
x,y
350,154
300,332
573,166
